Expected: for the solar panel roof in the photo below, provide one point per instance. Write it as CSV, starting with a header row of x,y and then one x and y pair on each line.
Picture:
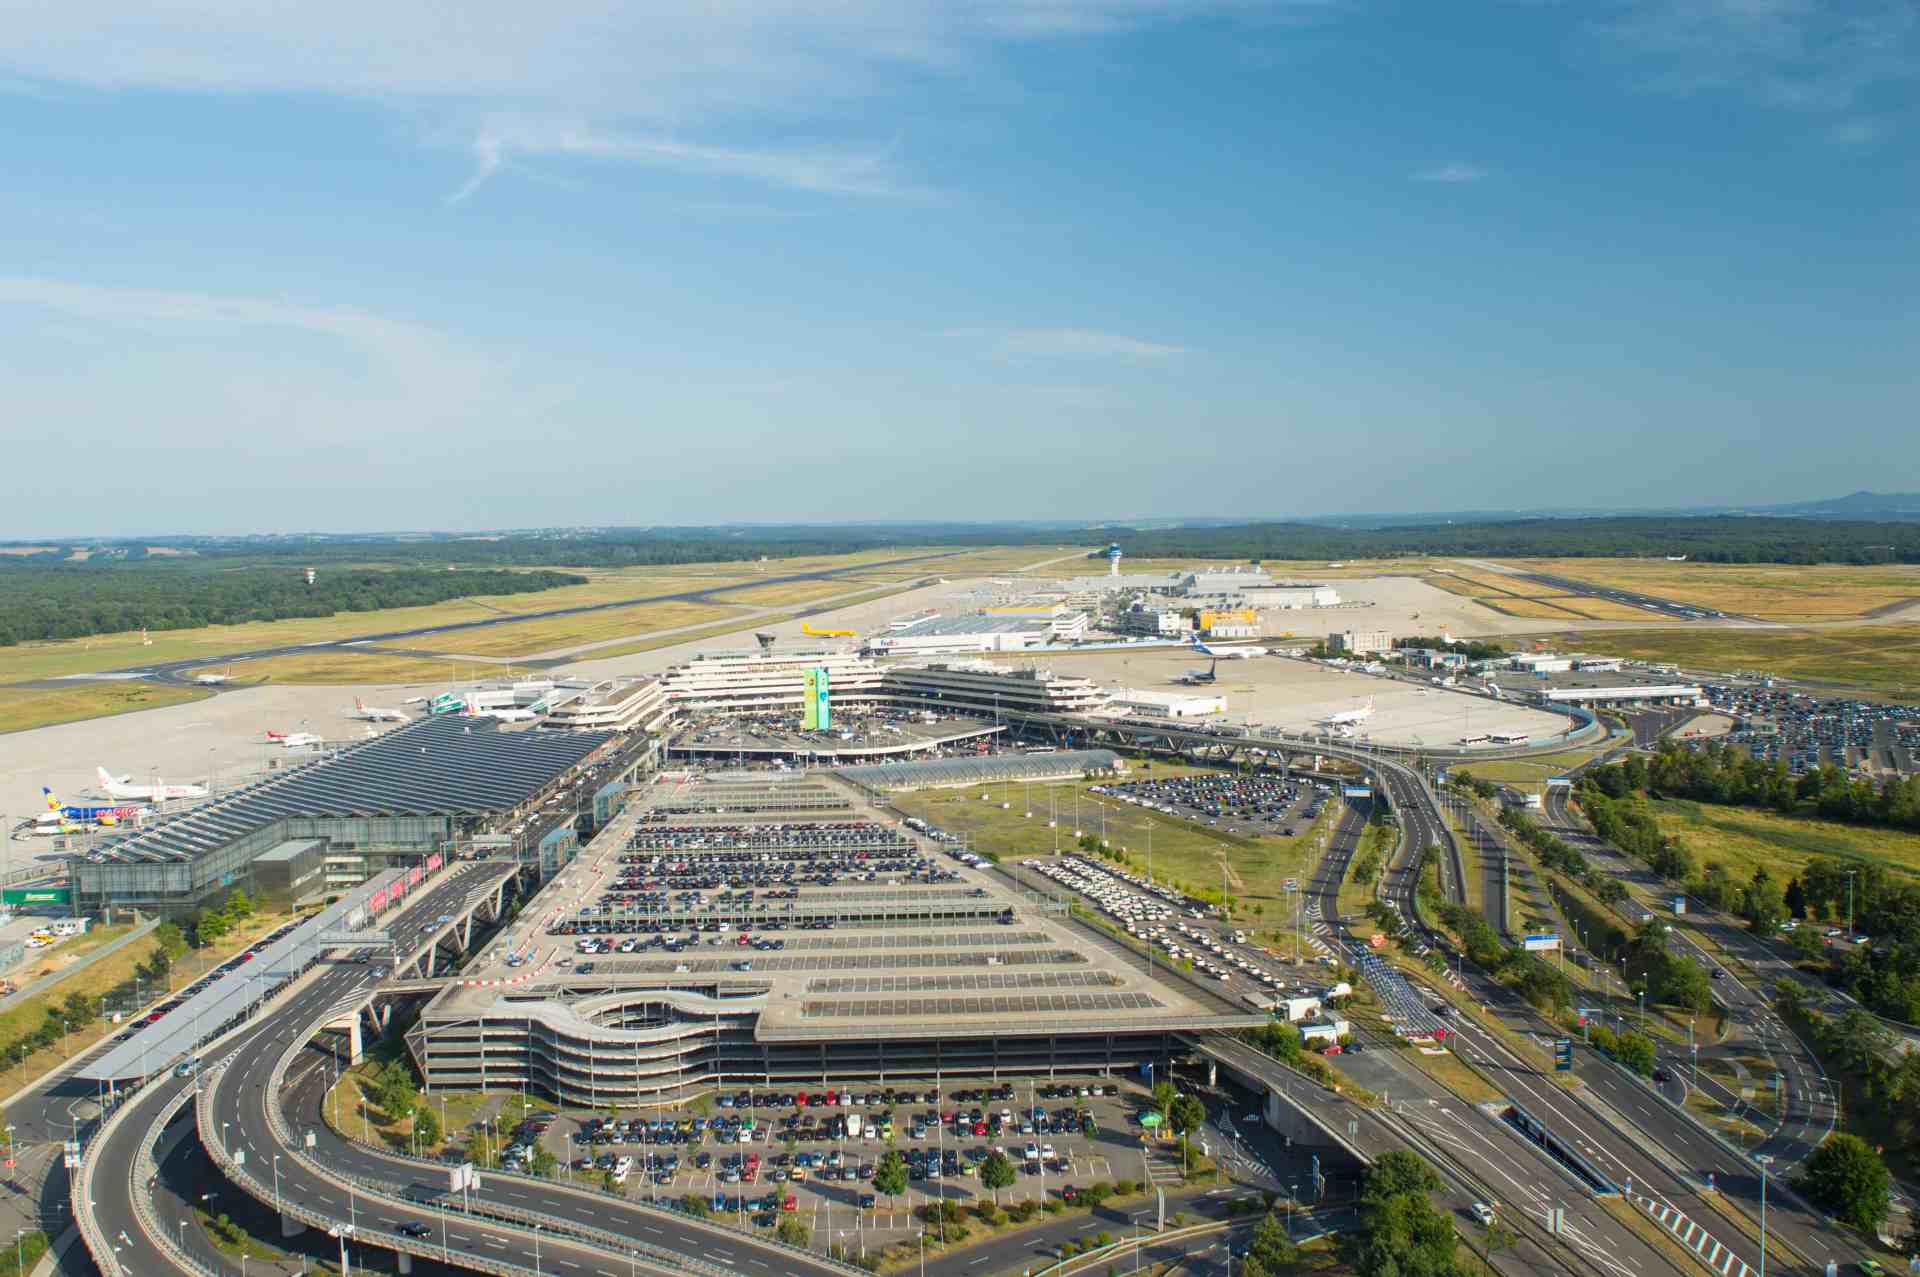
x,y
448,766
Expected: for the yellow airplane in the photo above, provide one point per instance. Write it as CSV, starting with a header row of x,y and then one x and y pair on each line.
x,y
808,629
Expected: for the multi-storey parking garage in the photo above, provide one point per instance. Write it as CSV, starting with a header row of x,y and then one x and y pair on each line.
x,y
722,933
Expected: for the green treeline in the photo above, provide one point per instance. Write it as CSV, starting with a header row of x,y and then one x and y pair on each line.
x,y
41,600
1716,774
1712,539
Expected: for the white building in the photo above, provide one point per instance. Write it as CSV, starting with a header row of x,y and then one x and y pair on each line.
x,y
1168,704
984,689
1360,642
1597,664
1155,622
761,682
1541,663
616,704
964,635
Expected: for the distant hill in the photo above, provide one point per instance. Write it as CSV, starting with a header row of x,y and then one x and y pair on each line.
x,y
1859,507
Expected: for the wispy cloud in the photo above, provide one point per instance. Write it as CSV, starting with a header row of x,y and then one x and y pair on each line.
x,y
818,171
1809,55
696,88
1067,343
1451,173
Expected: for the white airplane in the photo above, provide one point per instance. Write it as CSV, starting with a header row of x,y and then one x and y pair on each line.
x,y
504,715
1348,717
118,787
213,678
293,740
1225,653
374,714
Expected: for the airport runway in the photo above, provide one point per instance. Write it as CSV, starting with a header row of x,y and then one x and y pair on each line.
x,y
176,671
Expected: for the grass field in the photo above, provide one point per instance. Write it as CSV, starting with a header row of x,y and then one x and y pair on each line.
x,y
118,651
796,591
1744,839
1776,592
1878,658
1532,772
1532,609
22,708
337,666
1278,569
525,638
1183,853
95,981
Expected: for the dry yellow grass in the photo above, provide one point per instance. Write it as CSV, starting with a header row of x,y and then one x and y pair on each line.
x,y
1881,658
525,638
796,592
1499,586
1608,610
1784,592
22,708
336,665
1540,608
1279,569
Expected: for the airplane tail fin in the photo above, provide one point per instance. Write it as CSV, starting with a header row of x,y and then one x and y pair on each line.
x,y
107,782
53,804
359,704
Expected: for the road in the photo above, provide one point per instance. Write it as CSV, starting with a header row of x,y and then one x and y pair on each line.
x,y
177,671
237,1091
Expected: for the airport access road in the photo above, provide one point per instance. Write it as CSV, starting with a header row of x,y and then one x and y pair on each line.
x,y
240,1102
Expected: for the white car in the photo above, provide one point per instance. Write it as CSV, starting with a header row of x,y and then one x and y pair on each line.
x,y
1483,1213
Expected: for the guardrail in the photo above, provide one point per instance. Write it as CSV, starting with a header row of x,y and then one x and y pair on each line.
x,y
143,1169
620,1244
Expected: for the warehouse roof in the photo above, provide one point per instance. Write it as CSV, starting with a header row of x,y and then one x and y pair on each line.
x,y
449,766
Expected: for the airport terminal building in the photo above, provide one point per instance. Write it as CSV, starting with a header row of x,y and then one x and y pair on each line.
x,y
390,801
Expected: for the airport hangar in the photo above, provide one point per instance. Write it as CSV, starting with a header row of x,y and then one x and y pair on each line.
x,y
968,974
392,801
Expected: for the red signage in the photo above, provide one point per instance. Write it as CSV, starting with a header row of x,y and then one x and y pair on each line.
x,y
414,875
434,862
377,901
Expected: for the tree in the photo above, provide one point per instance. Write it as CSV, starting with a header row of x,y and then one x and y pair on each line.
x,y
1401,1234
1163,1095
238,907
890,1176
426,1125
996,1173
542,1163
478,1149
1271,1251
1186,1113
1636,1052
1847,1177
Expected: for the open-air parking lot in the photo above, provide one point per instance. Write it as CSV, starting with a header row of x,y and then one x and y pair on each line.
x,y
763,1153
1249,805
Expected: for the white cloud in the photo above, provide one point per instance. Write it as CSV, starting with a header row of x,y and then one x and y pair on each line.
x,y
659,82
1814,55
1067,343
829,172
1451,173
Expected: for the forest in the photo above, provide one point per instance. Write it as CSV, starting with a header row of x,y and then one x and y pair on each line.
x,y
1712,539
50,600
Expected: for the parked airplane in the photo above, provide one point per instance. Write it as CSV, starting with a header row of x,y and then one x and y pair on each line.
x,y
503,715
293,740
118,787
808,629
1211,674
1348,717
59,817
1225,653
212,678
374,714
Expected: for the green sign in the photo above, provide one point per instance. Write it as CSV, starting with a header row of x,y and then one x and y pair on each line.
x,y
37,896
816,712
1150,1119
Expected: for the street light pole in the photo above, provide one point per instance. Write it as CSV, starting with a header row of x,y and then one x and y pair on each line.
x,y
1765,1161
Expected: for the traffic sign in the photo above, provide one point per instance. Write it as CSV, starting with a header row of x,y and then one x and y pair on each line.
x,y
1562,1054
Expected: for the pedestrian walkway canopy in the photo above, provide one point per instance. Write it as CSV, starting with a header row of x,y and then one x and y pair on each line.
x,y
235,993
986,769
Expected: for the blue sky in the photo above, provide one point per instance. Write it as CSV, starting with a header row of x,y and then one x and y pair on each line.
x,y
353,266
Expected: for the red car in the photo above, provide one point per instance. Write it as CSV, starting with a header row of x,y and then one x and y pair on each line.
x,y
789,1203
